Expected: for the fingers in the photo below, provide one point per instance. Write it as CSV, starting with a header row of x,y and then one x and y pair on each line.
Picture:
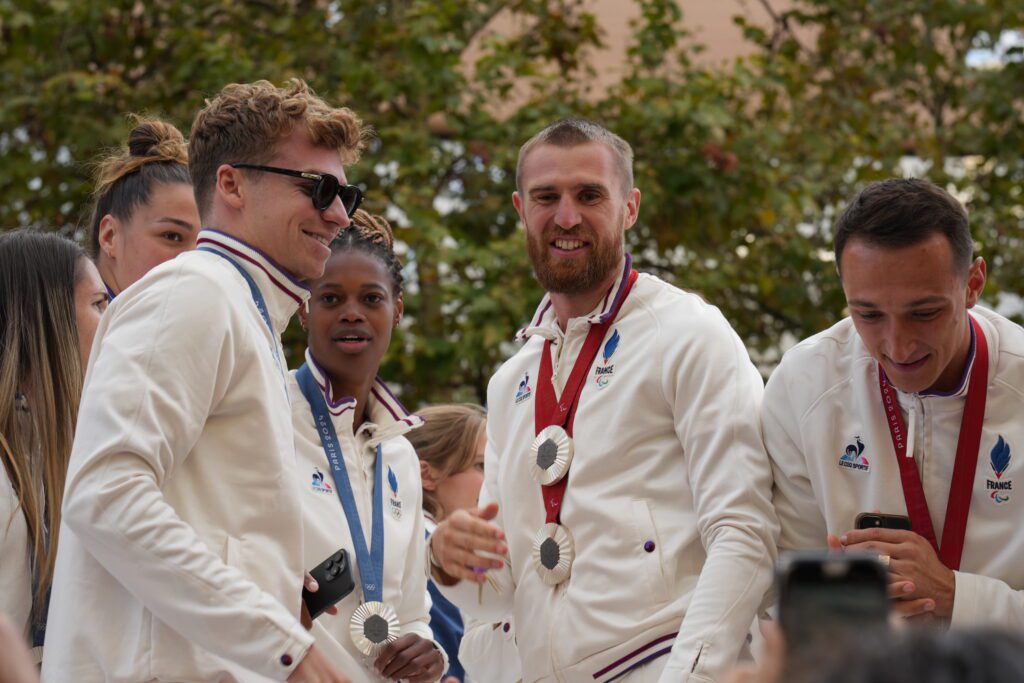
x,y
471,523
875,535
834,543
913,608
304,618
488,512
411,657
899,590
310,583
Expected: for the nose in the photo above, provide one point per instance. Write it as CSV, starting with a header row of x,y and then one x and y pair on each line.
x,y
901,342
350,311
567,216
336,215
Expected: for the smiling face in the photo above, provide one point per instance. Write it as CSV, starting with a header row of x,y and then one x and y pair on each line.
x,y
278,215
157,231
575,212
351,314
909,306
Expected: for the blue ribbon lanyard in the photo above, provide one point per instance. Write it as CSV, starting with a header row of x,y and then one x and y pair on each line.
x,y
371,562
257,298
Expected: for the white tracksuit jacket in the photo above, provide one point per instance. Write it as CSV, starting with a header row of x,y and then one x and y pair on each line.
x,y
326,530
667,451
824,397
180,553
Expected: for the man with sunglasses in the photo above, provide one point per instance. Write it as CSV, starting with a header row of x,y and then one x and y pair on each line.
x,y
180,557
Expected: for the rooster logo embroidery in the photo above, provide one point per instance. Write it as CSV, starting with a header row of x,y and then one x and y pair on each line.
x,y
524,391
999,459
603,373
318,484
853,458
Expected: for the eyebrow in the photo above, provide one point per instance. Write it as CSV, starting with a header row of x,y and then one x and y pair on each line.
x,y
925,301
582,186
180,223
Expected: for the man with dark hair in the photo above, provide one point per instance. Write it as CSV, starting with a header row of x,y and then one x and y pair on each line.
x,y
927,387
623,460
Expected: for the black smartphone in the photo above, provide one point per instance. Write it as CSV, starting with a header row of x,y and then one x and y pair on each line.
x,y
334,576
827,600
878,520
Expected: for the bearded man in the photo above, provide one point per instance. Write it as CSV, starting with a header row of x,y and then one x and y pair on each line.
x,y
627,491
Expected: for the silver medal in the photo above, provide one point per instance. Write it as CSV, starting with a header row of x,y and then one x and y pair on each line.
x,y
374,625
553,553
550,455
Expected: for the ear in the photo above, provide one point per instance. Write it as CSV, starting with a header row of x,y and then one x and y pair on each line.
x,y
976,278
427,477
110,230
399,309
231,186
517,201
632,207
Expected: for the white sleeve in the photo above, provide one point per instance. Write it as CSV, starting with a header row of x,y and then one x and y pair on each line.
x,y
493,602
165,361
15,573
715,393
986,601
414,610
488,652
802,523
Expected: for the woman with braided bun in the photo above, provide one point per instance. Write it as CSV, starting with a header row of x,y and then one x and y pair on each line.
x,y
144,212
362,491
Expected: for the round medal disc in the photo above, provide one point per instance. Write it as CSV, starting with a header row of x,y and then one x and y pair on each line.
x,y
550,455
374,625
553,553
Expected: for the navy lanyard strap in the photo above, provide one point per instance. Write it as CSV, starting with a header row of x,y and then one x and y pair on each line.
x,y
257,295
371,562
261,306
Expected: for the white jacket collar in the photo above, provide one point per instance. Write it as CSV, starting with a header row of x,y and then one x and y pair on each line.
x,y
281,290
386,417
545,323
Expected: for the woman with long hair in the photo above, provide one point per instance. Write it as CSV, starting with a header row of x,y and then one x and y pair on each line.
x,y
51,299
143,212
362,495
450,446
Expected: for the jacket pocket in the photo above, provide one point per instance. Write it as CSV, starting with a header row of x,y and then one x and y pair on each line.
x,y
649,547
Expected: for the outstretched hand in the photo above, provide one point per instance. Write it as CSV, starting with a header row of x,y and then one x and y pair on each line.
x,y
458,541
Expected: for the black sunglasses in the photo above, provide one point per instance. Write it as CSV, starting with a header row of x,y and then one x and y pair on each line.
x,y
323,193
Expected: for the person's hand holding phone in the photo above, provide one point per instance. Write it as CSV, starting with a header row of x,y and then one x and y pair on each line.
x,y
919,584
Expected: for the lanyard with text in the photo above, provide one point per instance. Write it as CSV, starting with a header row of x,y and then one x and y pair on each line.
x,y
549,410
967,447
370,561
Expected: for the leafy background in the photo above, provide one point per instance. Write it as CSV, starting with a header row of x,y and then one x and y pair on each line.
x,y
743,166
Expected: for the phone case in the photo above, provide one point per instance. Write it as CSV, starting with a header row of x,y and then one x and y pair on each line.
x,y
334,576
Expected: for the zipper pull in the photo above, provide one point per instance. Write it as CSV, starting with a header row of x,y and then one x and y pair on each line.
x,y
911,427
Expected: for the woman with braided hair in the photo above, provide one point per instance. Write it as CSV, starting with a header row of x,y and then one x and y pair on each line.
x,y
361,478
144,212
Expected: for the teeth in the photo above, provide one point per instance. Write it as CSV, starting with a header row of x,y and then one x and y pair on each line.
x,y
568,244
322,240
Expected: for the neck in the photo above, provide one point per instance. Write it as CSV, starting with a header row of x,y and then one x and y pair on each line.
x,y
360,391
106,271
568,306
954,372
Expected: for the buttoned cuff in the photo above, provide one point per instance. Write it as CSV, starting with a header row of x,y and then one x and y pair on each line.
x,y
287,657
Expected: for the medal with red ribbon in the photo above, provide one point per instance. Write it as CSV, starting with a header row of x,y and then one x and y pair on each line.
x,y
964,467
552,450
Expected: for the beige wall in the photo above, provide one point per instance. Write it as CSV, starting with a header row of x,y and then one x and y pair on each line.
x,y
709,21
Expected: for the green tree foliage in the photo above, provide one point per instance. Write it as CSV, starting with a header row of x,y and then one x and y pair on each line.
x,y
742,167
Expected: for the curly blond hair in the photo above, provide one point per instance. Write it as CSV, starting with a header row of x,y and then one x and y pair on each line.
x,y
244,122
